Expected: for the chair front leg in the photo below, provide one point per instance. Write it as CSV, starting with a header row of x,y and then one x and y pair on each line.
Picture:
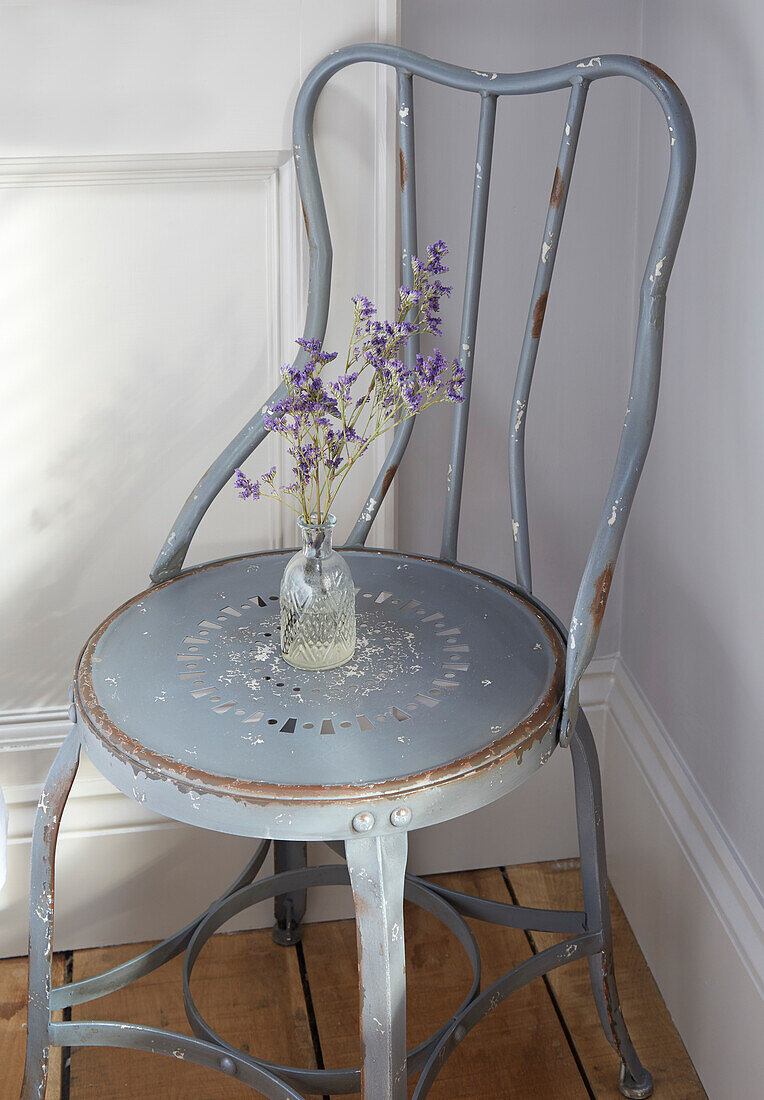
x,y
49,810
377,867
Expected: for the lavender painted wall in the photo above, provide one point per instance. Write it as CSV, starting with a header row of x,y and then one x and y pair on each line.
x,y
688,593
694,588
576,408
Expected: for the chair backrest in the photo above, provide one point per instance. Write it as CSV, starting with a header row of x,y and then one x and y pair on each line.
x,y
640,414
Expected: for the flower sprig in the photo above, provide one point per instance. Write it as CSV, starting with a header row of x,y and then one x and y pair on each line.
x,y
328,426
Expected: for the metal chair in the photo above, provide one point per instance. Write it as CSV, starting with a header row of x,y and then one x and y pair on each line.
x,y
469,686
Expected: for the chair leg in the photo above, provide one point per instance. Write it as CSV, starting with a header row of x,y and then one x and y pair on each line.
x,y
289,909
377,867
635,1081
44,836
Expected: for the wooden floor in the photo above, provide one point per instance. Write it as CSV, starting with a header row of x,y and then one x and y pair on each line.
x,y
299,1006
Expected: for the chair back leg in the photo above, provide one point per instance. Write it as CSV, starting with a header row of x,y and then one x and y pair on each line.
x,y
636,1082
289,909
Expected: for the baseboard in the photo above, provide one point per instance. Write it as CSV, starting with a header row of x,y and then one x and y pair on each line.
x,y
696,912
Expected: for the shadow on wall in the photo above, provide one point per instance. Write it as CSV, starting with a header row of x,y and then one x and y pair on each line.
x,y
108,488
682,659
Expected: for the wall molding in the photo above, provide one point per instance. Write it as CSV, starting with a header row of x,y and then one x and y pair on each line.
x,y
44,726
136,168
729,887
284,249
735,898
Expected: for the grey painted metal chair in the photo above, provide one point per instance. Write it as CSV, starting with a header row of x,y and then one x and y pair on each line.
x,y
359,756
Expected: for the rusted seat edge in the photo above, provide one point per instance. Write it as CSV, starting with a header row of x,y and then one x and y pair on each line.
x,y
513,744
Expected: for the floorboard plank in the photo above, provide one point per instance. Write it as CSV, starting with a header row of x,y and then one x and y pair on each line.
x,y
13,1028
558,885
519,1051
246,987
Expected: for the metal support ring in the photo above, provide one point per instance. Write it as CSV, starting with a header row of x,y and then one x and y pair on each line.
x,y
320,1081
117,977
466,1018
111,1033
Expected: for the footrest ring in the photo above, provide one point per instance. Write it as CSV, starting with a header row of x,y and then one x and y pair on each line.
x,y
311,1080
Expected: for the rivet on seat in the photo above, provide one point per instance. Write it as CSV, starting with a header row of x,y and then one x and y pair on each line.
x,y
400,816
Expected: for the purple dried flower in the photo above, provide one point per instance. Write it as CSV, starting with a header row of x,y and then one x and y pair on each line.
x,y
326,426
248,490
364,307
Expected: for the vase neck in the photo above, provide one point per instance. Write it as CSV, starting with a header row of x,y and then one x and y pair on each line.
x,y
317,538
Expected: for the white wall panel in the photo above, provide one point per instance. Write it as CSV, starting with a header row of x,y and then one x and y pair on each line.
x,y
142,316
153,283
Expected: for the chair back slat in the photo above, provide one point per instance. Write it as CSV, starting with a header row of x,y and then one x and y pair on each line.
x,y
533,327
475,250
407,181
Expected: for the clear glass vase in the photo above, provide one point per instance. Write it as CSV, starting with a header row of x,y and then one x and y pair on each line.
x,y
317,601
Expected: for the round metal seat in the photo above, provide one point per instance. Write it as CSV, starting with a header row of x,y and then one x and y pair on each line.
x,y
187,704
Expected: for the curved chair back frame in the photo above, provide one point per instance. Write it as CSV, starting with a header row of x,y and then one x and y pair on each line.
x,y
643,395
